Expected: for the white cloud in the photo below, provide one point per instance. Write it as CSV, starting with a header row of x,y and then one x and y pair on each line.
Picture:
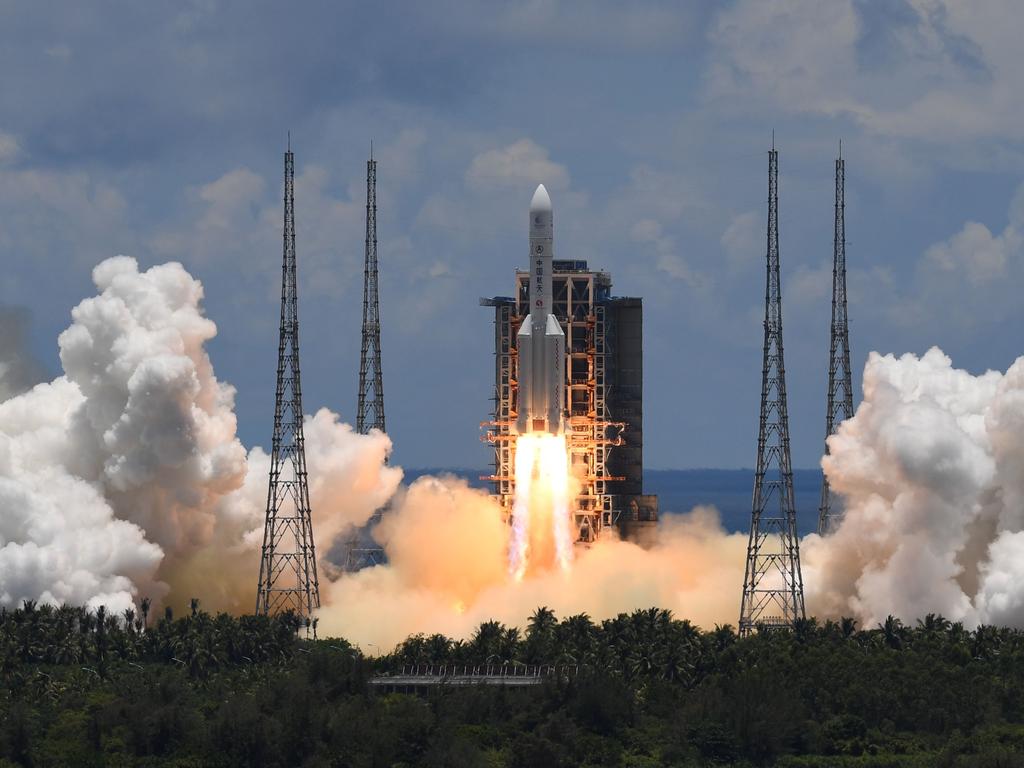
x,y
522,163
811,285
667,258
948,72
968,280
238,187
796,53
236,218
9,148
743,239
975,253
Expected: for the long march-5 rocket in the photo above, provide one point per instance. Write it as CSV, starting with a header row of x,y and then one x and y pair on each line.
x,y
540,341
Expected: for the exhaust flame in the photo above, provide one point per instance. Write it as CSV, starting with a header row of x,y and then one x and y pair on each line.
x,y
540,510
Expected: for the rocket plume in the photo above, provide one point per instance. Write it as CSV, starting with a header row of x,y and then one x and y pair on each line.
x,y
540,509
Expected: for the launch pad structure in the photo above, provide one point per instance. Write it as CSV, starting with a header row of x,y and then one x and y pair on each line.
x,y
603,393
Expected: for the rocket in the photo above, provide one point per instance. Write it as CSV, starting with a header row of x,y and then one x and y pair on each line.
x,y
540,341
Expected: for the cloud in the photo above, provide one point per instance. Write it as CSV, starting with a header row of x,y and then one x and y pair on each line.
x,y
975,253
520,164
9,148
971,278
935,70
743,239
236,219
667,259
795,53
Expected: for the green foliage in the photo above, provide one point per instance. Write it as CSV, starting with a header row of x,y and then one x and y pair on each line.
x,y
639,690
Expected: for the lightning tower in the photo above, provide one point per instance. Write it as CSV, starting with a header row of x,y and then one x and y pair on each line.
x,y
288,579
773,591
840,383
362,549
371,384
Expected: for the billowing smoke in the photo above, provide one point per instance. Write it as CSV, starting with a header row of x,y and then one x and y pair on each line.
x,y
930,472
931,468
447,549
124,477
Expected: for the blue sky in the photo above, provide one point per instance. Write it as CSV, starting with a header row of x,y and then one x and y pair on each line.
x,y
156,130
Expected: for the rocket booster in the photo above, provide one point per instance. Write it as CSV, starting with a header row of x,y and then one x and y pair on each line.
x,y
540,341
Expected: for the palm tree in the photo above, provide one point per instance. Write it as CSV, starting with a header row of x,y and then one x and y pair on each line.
x,y
542,622
892,631
144,607
486,640
933,625
437,649
540,635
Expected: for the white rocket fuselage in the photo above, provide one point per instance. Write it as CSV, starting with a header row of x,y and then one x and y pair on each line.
x,y
540,342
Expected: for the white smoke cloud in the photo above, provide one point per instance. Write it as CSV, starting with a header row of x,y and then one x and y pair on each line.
x,y
125,477
930,468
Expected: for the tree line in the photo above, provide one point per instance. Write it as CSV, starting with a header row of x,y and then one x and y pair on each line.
x,y
89,688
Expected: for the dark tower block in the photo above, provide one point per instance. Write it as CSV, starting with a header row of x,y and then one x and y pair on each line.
x,y
363,551
840,380
288,579
773,590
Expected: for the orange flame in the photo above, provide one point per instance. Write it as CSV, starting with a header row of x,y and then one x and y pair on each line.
x,y
541,530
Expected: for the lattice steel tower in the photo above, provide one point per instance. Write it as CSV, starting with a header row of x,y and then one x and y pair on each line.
x,y
840,380
362,549
773,591
288,579
371,384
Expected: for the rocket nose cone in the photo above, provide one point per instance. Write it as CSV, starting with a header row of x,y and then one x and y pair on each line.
x,y
541,203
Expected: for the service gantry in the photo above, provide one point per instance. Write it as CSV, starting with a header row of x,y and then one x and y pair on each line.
x,y
604,399
773,590
362,550
840,379
288,579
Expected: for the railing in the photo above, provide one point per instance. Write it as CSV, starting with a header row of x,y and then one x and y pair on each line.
x,y
468,674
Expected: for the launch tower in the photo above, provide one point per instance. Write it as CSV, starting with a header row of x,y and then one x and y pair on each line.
x,y
288,579
840,380
604,398
773,590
